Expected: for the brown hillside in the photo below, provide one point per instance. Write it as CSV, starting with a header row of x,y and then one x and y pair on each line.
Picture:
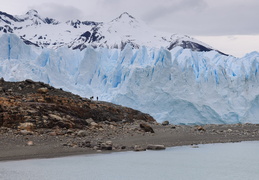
x,y
47,107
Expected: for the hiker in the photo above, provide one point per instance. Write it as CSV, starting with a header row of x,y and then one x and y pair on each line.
x,y
91,98
97,98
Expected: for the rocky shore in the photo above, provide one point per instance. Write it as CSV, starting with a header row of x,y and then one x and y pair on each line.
x,y
39,121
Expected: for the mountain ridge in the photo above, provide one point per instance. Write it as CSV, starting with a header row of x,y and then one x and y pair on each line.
x,y
76,34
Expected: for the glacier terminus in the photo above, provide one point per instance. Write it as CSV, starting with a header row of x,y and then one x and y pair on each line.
x,y
171,77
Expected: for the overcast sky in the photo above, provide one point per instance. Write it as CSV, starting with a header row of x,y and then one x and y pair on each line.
x,y
228,25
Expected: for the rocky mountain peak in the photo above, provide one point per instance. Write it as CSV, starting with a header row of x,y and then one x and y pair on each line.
x,y
32,12
125,17
6,17
31,16
114,34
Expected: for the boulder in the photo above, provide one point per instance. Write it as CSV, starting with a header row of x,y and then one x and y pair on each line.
x,y
69,131
25,132
26,126
29,81
146,128
139,148
56,117
107,145
82,133
173,126
165,123
96,148
85,144
30,143
53,133
94,124
42,90
200,128
89,121
230,130
123,147
155,147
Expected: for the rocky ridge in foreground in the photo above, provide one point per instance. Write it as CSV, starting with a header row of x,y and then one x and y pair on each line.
x,y
42,106
36,113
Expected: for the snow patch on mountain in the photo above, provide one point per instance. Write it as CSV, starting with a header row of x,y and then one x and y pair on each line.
x,y
75,34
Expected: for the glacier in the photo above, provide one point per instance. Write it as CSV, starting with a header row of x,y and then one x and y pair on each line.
x,y
178,85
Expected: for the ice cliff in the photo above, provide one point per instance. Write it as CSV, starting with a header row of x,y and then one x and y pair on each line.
x,y
179,85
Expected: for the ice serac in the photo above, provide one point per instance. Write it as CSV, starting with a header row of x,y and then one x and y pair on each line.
x,y
180,85
13,48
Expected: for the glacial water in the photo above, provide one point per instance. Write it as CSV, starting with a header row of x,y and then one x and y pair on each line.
x,y
237,161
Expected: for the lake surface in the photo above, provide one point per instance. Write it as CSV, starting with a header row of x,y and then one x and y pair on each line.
x,y
236,161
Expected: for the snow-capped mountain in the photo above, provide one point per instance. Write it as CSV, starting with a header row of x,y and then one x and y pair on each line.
x,y
171,77
43,32
75,34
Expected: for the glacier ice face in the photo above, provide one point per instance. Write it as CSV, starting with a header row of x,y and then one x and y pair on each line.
x,y
11,51
180,85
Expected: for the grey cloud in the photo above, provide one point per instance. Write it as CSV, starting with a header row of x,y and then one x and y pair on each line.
x,y
233,18
58,11
109,2
173,7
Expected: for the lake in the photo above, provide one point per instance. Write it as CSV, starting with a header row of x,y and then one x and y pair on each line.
x,y
237,161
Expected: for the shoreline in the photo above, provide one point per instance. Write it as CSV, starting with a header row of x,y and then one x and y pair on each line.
x,y
14,146
79,153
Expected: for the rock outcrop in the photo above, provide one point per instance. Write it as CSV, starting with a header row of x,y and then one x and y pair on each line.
x,y
27,105
146,128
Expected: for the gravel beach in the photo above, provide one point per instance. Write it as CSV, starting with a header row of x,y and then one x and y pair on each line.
x,y
40,121
47,144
